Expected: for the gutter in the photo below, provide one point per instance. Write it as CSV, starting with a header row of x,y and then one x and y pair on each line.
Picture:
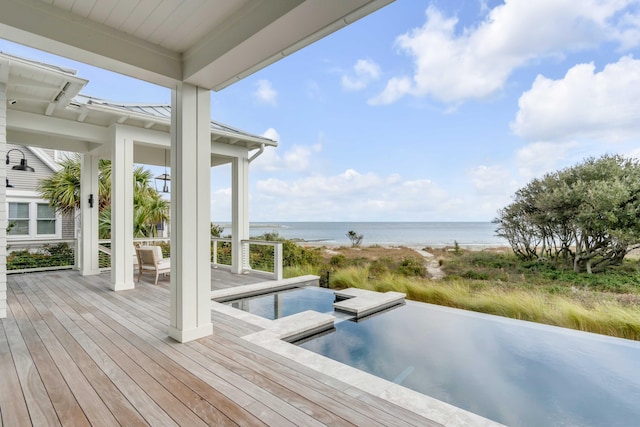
x,y
257,153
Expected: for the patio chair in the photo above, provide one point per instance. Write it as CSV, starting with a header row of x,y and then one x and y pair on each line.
x,y
150,260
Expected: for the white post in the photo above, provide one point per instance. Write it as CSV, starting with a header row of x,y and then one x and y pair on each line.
x,y
277,261
239,211
4,80
190,213
88,253
121,211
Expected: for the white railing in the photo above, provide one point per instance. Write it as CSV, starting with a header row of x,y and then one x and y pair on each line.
x,y
25,256
104,249
42,255
275,262
253,260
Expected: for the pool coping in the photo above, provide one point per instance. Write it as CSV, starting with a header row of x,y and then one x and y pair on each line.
x,y
276,334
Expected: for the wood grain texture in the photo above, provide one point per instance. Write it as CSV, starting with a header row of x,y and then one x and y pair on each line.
x,y
73,352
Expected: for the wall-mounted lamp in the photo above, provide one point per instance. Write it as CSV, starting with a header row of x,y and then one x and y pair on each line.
x,y
8,185
90,200
23,162
165,177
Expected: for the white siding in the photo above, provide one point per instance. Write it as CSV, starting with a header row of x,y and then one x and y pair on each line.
x,y
3,201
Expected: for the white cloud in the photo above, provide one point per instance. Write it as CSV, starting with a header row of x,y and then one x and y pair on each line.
x,y
265,93
272,134
453,64
352,195
221,204
489,180
493,188
597,105
635,153
396,88
296,159
365,71
536,159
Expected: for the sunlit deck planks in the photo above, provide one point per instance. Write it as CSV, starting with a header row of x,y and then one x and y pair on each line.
x,y
72,352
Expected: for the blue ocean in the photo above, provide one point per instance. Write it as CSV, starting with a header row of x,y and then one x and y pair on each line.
x,y
411,234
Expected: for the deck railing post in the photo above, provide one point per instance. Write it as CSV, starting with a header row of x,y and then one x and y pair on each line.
x,y
246,262
277,261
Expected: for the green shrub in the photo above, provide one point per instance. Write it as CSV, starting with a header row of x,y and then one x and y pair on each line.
x,y
412,267
338,261
59,255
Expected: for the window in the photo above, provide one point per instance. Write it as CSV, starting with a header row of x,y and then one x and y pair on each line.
x,y
46,219
19,219
32,220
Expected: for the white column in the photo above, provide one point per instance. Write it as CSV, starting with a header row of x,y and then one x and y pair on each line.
x,y
190,213
89,216
121,211
239,210
4,78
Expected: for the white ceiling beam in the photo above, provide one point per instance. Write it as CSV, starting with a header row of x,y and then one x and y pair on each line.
x,y
229,150
146,136
40,25
239,27
84,111
310,21
50,141
53,126
21,81
4,70
50,108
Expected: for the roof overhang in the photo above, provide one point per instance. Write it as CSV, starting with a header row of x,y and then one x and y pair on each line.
x,y
45,110
209,44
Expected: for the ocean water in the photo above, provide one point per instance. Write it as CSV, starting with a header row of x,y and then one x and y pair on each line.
x,y
411,234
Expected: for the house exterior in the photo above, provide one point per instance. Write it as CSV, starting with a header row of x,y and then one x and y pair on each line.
x,y
197,48
29,215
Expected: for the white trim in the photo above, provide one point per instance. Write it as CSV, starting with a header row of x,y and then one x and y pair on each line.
x,y
45,158
33,202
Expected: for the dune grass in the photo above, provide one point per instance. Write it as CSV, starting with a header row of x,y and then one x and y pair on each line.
x,y
493,282
607,317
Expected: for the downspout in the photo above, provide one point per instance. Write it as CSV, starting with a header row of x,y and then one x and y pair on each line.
x,y
257,153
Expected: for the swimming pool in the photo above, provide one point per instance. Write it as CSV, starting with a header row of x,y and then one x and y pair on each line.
x,y
514,372
287,302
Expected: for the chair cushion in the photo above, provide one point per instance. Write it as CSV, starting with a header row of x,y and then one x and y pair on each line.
x,y
157,251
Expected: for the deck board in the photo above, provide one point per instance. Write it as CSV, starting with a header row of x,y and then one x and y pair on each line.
x,y
14,407
93,407
73,352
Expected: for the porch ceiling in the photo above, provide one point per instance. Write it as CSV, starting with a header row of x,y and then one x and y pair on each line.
x,y
45,110
208,43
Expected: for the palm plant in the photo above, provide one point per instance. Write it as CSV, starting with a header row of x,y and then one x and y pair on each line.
x,y
62,189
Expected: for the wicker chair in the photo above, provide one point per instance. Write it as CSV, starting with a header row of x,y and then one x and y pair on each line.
x,y
150,260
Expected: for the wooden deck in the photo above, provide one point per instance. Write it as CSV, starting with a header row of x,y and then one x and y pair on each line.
x,y
72,352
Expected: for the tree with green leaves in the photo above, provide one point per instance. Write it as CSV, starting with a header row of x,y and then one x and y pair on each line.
x,y
216,230
587,215
62,190
356,239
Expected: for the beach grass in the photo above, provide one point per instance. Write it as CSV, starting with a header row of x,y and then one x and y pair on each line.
x,y
494,282
607,317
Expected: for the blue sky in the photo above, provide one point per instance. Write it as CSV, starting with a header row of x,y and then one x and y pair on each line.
x,y
425,110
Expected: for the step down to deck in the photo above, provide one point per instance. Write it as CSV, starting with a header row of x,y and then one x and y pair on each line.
x,y
360,302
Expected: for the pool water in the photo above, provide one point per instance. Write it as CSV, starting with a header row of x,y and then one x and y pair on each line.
x,y
285,303
514,372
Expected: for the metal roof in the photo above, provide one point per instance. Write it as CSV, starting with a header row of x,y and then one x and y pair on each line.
x,y
162,111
